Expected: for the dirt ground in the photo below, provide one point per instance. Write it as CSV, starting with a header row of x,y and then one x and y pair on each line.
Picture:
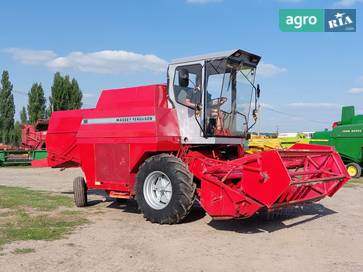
x,y
323,237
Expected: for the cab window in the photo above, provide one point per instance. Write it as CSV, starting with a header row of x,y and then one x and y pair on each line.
x,y
187,84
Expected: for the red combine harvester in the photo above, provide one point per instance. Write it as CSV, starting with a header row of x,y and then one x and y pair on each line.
x,y
168,145
33,137
32,150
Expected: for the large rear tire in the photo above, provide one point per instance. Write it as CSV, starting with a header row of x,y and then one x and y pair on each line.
x,y
80,192
164,189
354,170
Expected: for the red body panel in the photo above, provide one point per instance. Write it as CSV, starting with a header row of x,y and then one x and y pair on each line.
x,y
109,152
128,125
40,163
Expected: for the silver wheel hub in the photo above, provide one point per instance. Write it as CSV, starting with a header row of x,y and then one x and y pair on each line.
x,y
157,190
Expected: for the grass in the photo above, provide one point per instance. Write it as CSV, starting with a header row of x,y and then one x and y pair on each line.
x,y
32,215
24,250
15,197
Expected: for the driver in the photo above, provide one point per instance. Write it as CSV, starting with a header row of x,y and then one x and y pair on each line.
x,y
217,116
190,97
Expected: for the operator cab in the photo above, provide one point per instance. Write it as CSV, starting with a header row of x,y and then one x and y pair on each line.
x,y
214,96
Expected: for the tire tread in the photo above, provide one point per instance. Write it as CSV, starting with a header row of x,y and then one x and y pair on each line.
x,y
80,192
186,188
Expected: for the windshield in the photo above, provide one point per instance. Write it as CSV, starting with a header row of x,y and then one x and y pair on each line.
x,y
229,94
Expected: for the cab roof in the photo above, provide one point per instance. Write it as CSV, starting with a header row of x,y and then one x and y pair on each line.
x,y
234,54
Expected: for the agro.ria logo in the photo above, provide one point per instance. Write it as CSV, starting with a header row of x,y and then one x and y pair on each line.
x,y
318,20
340,20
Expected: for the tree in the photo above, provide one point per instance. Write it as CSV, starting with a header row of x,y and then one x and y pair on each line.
x,y
65,94
57,99
76,95
36,103
23,116
7,108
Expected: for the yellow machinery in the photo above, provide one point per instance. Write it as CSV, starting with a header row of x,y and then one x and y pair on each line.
x,y
287,142
263,143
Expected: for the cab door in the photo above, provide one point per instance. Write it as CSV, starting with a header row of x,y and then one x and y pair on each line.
x,y
191,90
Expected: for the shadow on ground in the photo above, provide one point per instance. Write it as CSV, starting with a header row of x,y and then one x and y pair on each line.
x,y
270,222
262,222
130,205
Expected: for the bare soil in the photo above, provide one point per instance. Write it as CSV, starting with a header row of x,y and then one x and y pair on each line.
x,y
327,236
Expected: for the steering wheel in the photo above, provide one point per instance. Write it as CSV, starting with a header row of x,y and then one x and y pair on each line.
x,y
218,101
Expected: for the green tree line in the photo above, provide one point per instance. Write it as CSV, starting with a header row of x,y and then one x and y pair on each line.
x,y
65,95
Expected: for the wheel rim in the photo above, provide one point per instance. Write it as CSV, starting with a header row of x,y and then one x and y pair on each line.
x,y
157,190
352,171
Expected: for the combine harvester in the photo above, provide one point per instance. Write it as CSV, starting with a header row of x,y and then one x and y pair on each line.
x,y
287,140
32,150
33,139
263,143
347,137
168,145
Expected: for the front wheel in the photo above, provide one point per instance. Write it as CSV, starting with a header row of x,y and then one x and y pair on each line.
x,y
354,170
164,189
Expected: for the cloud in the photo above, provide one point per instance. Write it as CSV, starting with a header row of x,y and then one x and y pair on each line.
x,y
355,91
88,95
203,2
266,106
109,61
28,56
269,70
106,61
347,3
314,105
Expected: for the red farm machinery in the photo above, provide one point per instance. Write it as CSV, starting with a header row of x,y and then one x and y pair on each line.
x,y
33,136
32,150
170,145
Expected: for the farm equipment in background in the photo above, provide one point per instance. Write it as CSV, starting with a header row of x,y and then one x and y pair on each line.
x,y
169,145
288,141
264,143
33,136
32,150
347,138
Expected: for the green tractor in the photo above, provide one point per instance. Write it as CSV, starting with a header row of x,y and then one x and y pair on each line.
x,y
347,138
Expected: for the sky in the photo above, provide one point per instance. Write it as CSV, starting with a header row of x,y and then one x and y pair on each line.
x,y
305,78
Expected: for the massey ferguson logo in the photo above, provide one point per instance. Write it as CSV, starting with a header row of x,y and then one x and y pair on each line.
x,y
340,20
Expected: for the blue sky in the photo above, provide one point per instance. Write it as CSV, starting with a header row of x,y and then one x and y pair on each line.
x,y
305,77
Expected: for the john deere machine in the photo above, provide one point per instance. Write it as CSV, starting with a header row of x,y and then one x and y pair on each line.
x,y
347,137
